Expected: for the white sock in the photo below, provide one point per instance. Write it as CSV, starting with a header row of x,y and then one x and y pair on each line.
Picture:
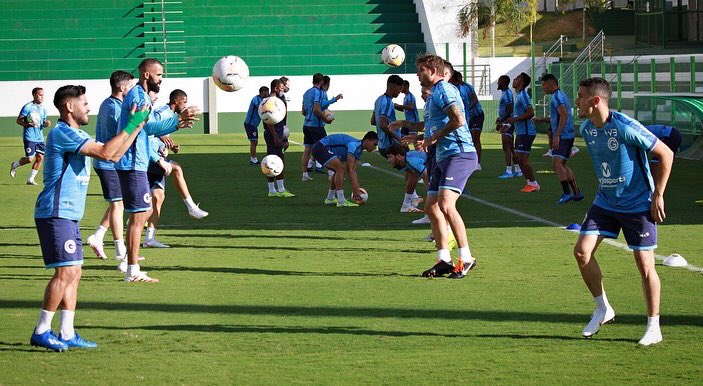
x,y
443,254
415,194
33,174
305,174
516,169
533,183
272,187
66,324
601,301
120,249
44,322
340,197
100,232
190,204
653,322
408,199
330,194
310,164
465,254
281,186
509,169
16,164
318,165
150,233
132,269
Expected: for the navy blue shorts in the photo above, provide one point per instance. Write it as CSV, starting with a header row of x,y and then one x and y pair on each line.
x,y
564,151
639,229
135,190
321,154
271,147
509,132
673,141
476,123
156,177
60,240
452,173
312,134
523,143
32,148
110,182
252,132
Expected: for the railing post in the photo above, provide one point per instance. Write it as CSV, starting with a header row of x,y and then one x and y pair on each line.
x,y
653,71
472,81
446,51
636,76
588,69
692,86
574,81
602,69
672,74
619,77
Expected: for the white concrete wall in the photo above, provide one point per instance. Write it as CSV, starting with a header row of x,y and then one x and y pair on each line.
x,y
440,25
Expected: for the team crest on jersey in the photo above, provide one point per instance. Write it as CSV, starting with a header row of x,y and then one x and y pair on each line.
x,y
605,169
613,144
70,246
147,198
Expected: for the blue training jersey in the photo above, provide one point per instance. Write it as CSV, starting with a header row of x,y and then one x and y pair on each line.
x,y
36,132
342,145
477,109
505,100
415,161
522,102
66,174
411,115
560,99
106,128
444,95
137,156
660,131
324,102
252,117
312,96
383,107
619,155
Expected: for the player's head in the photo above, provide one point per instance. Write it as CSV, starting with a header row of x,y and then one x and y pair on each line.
x,y
120,82
370,141
72,104
286,83
593,96
550,83
325,83
393,85
317,79
448,70
521,81
425,93
503,82
38,95
406,87
277,87
396,155
456,78
264,92
430,69
178,100
151,70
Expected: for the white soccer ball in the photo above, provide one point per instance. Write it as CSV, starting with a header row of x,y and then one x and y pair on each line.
x,y
34,119
362,198
272,110
230,73
329,115
272,165
393,55
286,132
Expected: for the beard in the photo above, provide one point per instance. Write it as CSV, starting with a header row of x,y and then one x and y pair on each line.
x,y
83,121
152,86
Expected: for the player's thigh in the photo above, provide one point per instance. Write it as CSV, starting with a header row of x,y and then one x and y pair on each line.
x,y
585,247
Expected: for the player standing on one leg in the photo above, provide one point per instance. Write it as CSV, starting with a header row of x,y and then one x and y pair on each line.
x,y
251,123
60,207
455,161
277,144
32,118
627,199
524,130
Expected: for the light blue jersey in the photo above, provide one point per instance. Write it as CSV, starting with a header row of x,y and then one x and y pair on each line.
x,y
324,102
36,132
252,117
383,107
619,155
66,174
477,109
156,146
312,96
444,95
415,161
137,156
106,128
505,100
411,115
522,103
342,145
560,99
660,131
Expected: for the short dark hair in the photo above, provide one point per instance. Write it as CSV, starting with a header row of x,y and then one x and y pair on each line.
x,y
431,61
262,88
275,83
597,87
504,77
66,92
370,135
176,94
406,83
284,79
326,79
395,79
447,65
396,149
36,90
456,77
548,77
317,78
525,79
119,76
146,63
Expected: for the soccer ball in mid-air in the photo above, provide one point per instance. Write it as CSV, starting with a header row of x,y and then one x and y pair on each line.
x,y
34,119
272,110
393,55
329,115
230,73
362,198
272,165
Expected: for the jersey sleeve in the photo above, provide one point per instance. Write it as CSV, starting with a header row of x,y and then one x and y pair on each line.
x,y
69,141
353,149
159,127
25,110
443,99
633,133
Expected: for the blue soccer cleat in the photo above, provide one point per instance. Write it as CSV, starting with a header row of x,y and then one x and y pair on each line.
x,y
565,198
505,175
579,197
78,342
48,340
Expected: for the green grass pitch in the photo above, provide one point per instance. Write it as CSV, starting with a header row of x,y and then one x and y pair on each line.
x,y
288,291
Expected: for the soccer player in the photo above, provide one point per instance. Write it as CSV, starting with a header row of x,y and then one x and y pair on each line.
x,y
105,130
627,199
277,144
32,118
671,136
456,159
473,110
562,123
60,207
409,107
505,111
313,128
413,164
524,130
340,153
132,167
251,123
286,87
324,102
384,114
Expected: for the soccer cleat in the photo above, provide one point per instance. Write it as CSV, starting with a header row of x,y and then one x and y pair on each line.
x,y
598,318
306,178
578,197
653,335
330,201
253,163
440,269
530,188
285,194
417,201
429,238
31,182
274,194
197,213
517,173
462,269
154,243
575,150
478,168
48,340
548,153
410,209
97,246
422,220
78,342
13,170
565,198
506,175
140,277
347,204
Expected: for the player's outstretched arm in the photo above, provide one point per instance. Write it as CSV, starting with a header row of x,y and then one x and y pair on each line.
x,y
115,148
666,159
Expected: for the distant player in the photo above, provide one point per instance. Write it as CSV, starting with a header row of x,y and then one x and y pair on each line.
x,y
562,123
413,164
277,143
251,123
671,137
506,130
324,102
473,110
313,127
524,130
384,114
627,199
32,118
409,107
286,87
60,207
339,153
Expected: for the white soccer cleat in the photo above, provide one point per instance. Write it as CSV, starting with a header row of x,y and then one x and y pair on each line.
x,y
197,213
140,277
31,182
478,168
154,243
417,201
306,178
574,150
548,153
97,246
653,335
423,220
410,209
598,318
13,170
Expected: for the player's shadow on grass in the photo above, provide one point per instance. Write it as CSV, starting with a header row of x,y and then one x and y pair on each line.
x,y
306,249
16,346
220,236
15,256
